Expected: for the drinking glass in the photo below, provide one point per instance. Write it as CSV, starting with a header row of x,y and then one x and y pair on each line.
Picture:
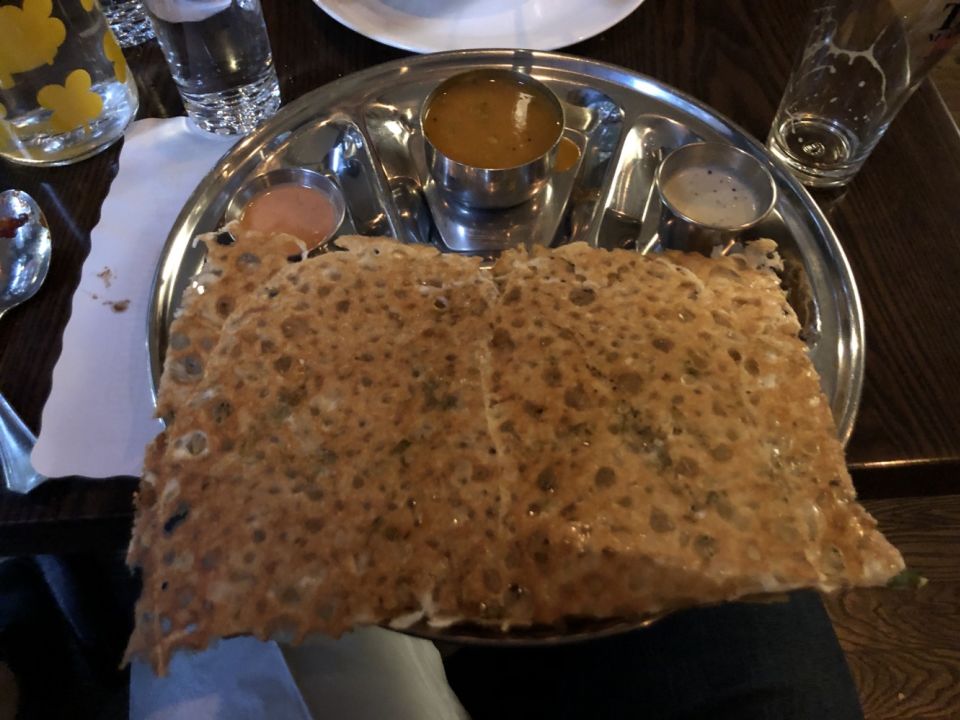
x,y
861,62
128,20
219,55
65,89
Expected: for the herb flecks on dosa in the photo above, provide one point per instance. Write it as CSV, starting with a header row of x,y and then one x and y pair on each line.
x,y
390,432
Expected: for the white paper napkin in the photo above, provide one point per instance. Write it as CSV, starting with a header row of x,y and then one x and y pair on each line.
x,y
239,678
99,415
369,674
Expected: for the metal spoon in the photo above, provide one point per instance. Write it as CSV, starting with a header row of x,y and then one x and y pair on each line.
x,y
24,261
24,248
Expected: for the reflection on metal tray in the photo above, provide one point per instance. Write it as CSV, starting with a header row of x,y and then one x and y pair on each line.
x,y
362,133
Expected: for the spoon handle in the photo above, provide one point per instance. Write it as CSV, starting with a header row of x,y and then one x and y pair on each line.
x,y
16,442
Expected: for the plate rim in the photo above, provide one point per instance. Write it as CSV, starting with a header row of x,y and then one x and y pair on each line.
x,y
330,7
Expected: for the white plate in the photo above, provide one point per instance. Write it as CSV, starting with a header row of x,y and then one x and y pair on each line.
x,y
437,25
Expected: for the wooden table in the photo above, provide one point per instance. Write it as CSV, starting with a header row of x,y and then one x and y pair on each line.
x,y
899,223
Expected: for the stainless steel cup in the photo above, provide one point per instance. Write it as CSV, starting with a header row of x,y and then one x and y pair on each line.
x,y
289,176
683,224
218,52
490,188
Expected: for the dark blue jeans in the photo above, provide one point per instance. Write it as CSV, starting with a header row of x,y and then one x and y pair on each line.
x,y
745,661
64,622
63,625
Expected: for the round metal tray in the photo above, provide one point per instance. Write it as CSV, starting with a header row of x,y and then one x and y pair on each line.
x,y
362,132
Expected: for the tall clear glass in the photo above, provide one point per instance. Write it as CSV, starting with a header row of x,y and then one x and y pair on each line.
x,y
65,89
128,20
219,55
861,62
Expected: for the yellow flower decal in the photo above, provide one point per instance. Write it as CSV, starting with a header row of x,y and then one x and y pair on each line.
x,y
115,55
73,104
87,5
30,38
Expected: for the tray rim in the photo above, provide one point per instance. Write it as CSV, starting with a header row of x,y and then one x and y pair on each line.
x,y
182,233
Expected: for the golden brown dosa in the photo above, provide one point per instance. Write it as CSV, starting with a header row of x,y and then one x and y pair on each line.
x,y
390,432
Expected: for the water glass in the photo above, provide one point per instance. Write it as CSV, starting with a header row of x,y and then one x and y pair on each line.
x,y
862,61
128,20
65,89
219,55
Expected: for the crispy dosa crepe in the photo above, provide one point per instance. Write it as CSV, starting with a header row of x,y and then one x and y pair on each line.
x,y
238,263
390,433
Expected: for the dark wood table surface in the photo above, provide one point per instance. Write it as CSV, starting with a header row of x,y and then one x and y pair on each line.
x,y
899,222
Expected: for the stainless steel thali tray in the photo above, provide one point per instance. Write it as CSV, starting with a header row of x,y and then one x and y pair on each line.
x,y
362,133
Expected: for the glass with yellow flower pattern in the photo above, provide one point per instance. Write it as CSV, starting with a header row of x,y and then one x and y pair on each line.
x,y
65,89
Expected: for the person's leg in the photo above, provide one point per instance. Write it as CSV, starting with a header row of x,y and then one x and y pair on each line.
x,y
63,625
749,661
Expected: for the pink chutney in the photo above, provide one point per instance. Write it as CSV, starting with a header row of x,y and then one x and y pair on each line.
x,y
293,209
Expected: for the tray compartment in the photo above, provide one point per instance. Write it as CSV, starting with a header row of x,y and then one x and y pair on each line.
x,y
600,119
593,124
630,207
392,130
337,148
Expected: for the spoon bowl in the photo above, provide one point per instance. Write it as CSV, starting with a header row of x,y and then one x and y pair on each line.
x,y
24,248
24,261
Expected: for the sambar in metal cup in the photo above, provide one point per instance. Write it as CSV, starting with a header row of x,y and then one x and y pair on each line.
x,y
219,55
491,137
65,89
862,61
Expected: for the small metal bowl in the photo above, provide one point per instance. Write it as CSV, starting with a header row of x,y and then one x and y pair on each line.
x,y
289,176
491,188
679,228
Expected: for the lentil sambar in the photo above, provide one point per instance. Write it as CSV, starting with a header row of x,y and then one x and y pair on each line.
x,y
492,120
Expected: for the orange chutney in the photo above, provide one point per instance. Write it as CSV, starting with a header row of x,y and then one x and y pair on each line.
x,y
303,212
492,121
567,155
